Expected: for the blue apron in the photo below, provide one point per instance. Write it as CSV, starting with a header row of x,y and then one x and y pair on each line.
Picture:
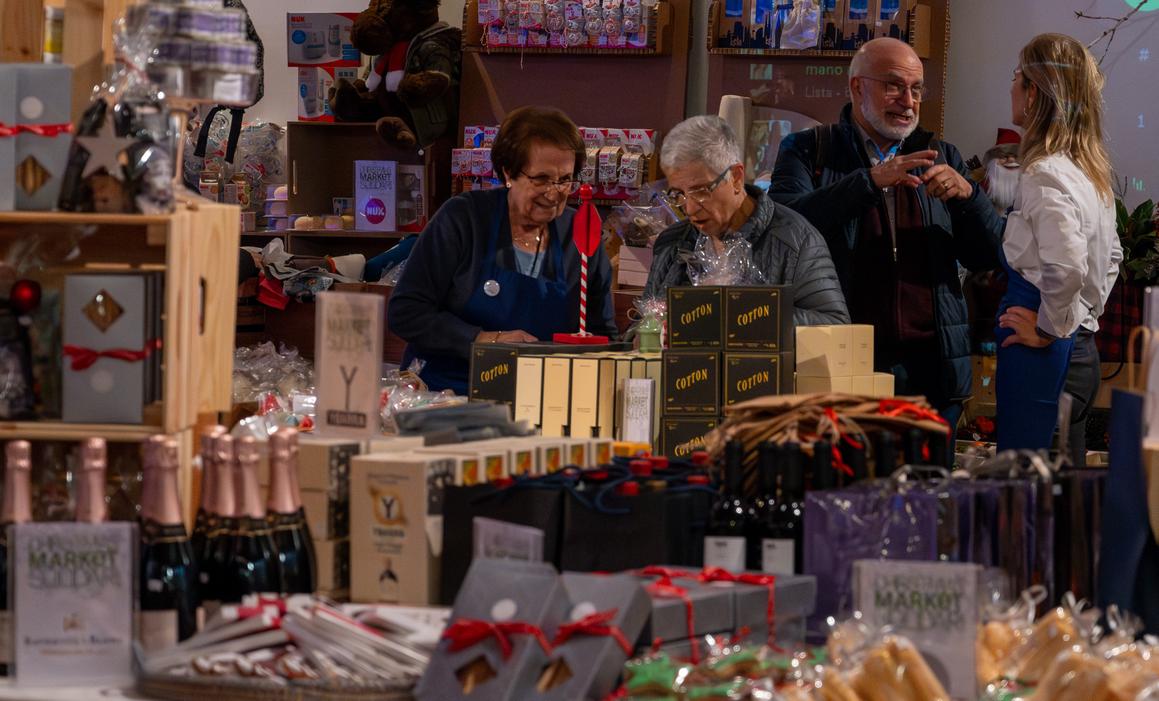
x,y
1029,380
535,305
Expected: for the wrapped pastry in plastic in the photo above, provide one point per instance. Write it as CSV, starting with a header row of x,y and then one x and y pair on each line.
x,y
802,29
732,265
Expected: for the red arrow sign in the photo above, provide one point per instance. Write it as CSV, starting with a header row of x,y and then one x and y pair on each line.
x,y
586,228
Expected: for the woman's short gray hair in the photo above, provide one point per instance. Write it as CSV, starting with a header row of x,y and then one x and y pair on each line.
x,y
706,139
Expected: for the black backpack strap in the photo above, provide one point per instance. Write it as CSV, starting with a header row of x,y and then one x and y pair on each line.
x,y
234,131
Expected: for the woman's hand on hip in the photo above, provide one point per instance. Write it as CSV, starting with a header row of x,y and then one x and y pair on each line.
x,y
1024,323
516,336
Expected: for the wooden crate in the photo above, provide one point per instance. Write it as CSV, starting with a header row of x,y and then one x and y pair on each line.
x,y
197,251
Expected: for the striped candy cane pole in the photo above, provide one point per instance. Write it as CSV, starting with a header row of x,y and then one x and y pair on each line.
x,y
583,295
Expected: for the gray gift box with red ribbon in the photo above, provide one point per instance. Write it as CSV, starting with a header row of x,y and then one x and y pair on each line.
x,y
510,599
35,136
712,610
794,598
607,612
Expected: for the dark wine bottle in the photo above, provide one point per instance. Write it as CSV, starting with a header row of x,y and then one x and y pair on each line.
x,y
939,450
885,455
724,539
824,476
213,562
17,508
253,568
769,456
782,548
291,532
854,459
915,441
168,568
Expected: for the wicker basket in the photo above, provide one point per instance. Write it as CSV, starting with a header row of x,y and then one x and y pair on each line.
x,y
171,688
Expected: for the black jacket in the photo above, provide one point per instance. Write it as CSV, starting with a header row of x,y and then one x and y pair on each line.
x,y
966,231
443,271
786,248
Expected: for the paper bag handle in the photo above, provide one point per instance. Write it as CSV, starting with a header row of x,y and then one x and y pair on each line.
x,y
1144,352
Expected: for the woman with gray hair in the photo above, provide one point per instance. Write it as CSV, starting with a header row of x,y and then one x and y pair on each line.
x,y
732,232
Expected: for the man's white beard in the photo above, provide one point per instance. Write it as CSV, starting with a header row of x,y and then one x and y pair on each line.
x,y
1001,184
882,127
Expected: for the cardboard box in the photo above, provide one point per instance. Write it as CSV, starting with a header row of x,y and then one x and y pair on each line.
x,y
635,262
332,558
469,468
556,396
327,516
825,351
680,436
396,527
522,456
691,382
695,317
758,318
37,98
528,401
712,612
493,372
483,464
883,384
861,345
394,444
593,395
498,591
751,375
411,201
321,39
863,385
552,453
324,463
824,385
637,403
375,195
314,85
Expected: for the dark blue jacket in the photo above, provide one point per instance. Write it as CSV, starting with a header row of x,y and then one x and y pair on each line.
x,y
966,231
444,270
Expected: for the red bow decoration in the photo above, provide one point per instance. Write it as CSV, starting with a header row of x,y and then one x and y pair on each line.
x,y
84,358
467,632
666,573
899,407
838,462
769,581
47,130
663,588
598,625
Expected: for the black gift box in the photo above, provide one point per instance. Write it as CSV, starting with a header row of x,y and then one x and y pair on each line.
x,y
623,533
758,318
538,508
691,380
681,435
695,317
751,375
493,372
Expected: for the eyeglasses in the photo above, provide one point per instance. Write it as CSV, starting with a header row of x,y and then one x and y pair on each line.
x,y
699,195
895,89
543,183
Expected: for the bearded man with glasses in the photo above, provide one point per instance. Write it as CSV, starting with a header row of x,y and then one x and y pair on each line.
x,y
899,216
727,219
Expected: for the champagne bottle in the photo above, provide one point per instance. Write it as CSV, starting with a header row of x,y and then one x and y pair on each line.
x,y
724,539
204,515
90,488
885,455
782,550
769,457
253,568
168,569
291,532
824,477
221,525
16,508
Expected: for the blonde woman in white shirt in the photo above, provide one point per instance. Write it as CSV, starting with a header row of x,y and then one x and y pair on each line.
x,y
1061,250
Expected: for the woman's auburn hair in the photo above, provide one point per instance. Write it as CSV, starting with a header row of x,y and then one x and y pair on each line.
x,y
527,125
1067,117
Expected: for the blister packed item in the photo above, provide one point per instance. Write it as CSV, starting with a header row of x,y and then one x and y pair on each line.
x,y
259,159
639,225
732,266
802,29
261,369
648,316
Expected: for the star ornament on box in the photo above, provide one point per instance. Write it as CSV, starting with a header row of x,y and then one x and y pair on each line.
x,y
105,150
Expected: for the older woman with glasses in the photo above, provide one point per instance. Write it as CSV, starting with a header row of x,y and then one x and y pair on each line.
x,y
724,216
499,265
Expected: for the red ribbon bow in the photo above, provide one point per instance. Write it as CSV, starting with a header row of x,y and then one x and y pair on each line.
x,y
48,130
467,632
84,358
666,573
769,581
899,407
598,625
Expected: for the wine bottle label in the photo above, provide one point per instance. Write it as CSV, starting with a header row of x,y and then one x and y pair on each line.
x,y
5,637
777,556
157,630
726,552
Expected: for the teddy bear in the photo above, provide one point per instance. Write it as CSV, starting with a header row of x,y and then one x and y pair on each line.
x,y
412,90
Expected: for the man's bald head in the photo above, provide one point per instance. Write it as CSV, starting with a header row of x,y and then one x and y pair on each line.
x,y
883,51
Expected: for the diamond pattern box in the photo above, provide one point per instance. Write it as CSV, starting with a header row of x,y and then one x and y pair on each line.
x,y
34,133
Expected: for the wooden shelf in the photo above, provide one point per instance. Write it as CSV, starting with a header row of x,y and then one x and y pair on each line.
x,y
782,53
60,431
83,219
346,234
574,51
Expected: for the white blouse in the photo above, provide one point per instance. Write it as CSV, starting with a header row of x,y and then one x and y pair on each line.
x,y
1061,237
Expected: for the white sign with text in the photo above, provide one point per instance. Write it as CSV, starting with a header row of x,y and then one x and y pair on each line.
x,y
348,364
